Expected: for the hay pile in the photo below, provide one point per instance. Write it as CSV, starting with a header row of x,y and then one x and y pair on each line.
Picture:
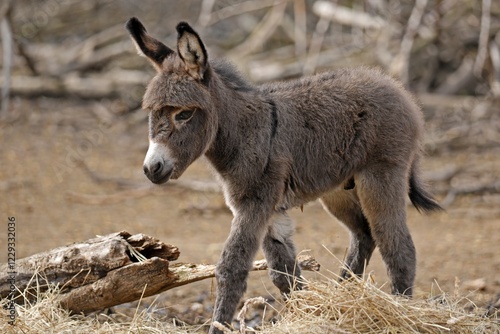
x,y
45,316
356,306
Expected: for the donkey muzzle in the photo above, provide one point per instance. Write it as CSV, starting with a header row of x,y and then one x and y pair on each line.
x,y
157,164
158,173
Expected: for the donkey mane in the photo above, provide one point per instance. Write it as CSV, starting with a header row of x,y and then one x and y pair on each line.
x,y
230,75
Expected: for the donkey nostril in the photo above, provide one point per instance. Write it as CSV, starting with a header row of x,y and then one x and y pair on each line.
x,y
156,167
145,169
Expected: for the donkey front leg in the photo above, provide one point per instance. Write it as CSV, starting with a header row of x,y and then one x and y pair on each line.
x,y
247,232
280,254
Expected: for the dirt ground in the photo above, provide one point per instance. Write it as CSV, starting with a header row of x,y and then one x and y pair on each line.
x,y
44,138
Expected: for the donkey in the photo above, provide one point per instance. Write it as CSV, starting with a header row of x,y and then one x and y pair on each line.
x,y
350,138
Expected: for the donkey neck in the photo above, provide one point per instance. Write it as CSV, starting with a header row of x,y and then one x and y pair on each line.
x,y
247,121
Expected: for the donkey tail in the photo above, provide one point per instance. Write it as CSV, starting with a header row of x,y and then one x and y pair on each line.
x,y
419,196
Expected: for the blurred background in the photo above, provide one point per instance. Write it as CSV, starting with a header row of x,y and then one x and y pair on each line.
x,y
73,136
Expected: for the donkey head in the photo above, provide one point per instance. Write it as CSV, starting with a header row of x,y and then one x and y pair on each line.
x,y
182,120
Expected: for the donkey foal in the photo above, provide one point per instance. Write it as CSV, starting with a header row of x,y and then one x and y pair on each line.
x,y
350,138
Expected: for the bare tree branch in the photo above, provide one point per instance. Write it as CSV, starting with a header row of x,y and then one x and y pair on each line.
x,y
495,61
401,63
315,46
347,16
240,8
206,12
484,35
263,31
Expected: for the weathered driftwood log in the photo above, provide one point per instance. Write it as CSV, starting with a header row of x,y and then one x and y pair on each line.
x,y
111,270
82,263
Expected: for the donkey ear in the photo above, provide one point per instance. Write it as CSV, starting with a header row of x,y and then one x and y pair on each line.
x,y
192,51
146,45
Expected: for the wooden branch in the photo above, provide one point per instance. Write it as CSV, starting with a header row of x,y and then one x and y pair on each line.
x,y
315,46
495,61
347,16
101,38
83,263
263,69
102,272
237,9
300,27
262,32
401,63
95,86
329,12
51,86
205,12
125,284
144,279
484,35
98,57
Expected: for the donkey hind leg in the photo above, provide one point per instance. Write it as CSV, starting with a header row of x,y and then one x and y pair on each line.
x,y
344,205
247,232
280,253
382,192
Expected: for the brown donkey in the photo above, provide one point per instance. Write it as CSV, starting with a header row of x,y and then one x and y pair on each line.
x,y
350,138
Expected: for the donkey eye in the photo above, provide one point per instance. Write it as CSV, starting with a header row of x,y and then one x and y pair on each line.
x,y
184,115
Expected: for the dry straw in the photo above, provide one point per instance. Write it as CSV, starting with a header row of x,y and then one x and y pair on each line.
x,y
44,315
359,306
326,306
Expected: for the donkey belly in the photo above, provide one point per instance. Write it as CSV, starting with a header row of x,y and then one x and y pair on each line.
x,y
301,191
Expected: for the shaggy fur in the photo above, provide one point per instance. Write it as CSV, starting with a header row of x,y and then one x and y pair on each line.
x,y
350,138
